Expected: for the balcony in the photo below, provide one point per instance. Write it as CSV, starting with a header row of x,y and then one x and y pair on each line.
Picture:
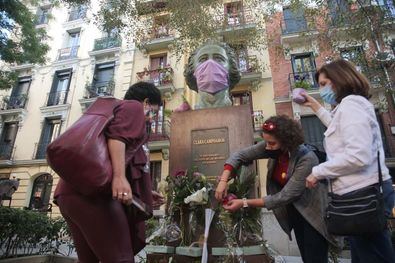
x,y
14,102
96,89
56,98
106,46
305,80
160,37
68,53
295,29
238,21
249,69
161,77
107,42
159,135
145,7
76,14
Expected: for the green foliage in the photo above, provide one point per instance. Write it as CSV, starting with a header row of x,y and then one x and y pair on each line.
x,y
20,40
302,84
24,232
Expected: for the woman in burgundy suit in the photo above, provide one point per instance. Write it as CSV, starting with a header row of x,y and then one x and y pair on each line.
x,y
101,229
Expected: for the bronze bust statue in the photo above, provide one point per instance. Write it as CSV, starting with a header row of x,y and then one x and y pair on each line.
x,y
212,71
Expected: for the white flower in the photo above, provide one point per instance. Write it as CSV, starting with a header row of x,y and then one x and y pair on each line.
x,y
198,197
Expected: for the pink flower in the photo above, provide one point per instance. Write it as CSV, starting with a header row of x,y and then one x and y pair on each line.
x,y
180,173
228,198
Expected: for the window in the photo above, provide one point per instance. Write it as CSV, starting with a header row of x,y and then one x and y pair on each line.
x,y
156,171
42,15
156,64
356,56
51,130
339,12
19,93
60,88
41,193
8,135
294,21
241,98
161,28
103,80
77,12
303,67
156,128
313,130
234,13
241,57
74,39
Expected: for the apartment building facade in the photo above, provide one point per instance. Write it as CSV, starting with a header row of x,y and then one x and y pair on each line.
x,y
85,63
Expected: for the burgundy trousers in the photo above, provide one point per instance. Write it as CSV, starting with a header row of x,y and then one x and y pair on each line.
x,y
99,228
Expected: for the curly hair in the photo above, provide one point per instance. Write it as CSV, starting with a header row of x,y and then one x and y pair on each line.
x,y
234,73
286,130
144,90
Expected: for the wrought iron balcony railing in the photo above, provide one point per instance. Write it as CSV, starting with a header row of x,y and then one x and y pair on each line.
x,y
160,77
107,42
238,18
68,53
159,130
305,80
248,64
14,102
57,98
100,88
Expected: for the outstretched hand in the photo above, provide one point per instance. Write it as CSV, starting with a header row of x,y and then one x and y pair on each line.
x,y
233,205
158,200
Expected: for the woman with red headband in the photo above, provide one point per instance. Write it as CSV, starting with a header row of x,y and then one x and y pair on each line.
x,y
295,206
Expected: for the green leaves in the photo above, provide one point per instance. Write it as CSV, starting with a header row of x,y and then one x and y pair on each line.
x,y
27,232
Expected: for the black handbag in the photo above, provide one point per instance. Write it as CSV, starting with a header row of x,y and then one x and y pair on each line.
x,y
358,213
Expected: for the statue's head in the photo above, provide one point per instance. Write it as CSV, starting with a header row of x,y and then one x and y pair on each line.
x,y
218,52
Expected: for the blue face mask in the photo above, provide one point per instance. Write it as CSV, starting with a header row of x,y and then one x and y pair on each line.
x,y
328,95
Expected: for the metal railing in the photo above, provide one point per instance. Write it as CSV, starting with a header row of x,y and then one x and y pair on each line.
x,y
258,119
57,98
40,150
159,130
14,102
6,151
42,19
67,53
305,80
77,14
160,77
101,88
107,42
248,64
160,32
295,25
239,18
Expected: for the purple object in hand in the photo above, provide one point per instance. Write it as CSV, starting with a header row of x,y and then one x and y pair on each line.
x,y
297,96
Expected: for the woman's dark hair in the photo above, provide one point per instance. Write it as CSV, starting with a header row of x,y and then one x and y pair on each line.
x,y
345,78
286,130
144,90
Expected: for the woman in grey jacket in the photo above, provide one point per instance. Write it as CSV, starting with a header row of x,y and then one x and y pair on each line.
x,y
294,206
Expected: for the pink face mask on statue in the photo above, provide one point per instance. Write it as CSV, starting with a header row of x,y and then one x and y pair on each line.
x,y
211,77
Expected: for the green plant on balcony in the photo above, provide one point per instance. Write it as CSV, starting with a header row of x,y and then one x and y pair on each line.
x,y
302,84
